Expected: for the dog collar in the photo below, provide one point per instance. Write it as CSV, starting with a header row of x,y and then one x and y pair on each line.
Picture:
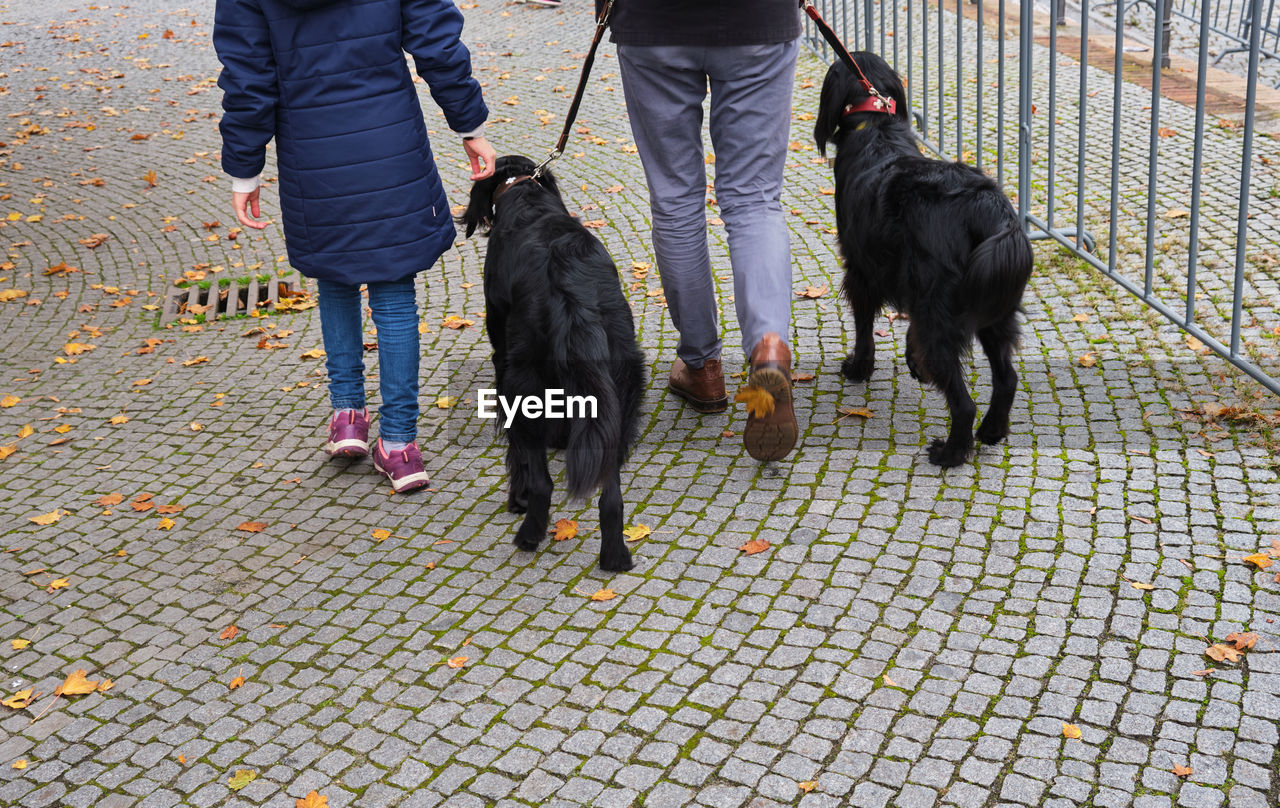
x,y
506,185
873,103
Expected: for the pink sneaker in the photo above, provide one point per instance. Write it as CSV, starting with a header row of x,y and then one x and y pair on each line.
x,y
348,434
403,467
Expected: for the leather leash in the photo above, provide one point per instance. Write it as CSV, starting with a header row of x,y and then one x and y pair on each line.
x,y
601,24
885,104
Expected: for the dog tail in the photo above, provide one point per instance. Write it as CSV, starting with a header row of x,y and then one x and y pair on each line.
x,y
999,268
581,354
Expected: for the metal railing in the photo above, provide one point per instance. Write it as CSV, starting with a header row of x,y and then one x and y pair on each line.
x,y
1157,195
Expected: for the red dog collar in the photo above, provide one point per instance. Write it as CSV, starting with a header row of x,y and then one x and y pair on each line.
x,y
873,103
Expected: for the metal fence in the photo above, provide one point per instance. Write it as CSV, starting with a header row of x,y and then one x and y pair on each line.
x,y
1169,199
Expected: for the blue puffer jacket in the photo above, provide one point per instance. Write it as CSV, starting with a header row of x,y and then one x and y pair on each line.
x,y
360,196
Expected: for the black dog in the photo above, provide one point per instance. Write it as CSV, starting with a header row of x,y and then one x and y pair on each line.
x,y
936,240
557,320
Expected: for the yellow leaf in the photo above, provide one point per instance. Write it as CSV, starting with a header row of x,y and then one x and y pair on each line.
x,y
182,758
636,532
9,295
252,527
313,800
604,594
565,529
105,685
118,419
1260,560
22,699
861,412
1081,318
754,546
381,534
7,450
1070,731
236,682
807,785
1088,359
1182,771
445,402
18,645
241,778
196,426
9,401
457,662
199,360
165,524
314,353
141,382
20,764
46,518
26,432
61,583
889,681
76,685
759,401
64,429
1223,653
1142,586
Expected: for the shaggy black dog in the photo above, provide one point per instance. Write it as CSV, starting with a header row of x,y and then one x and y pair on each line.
x,y
557,320
937,240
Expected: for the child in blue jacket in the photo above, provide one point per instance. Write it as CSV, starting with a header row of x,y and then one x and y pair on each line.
x,y
360,196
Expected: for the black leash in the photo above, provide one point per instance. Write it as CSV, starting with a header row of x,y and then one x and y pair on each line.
x,y
890,105
601,24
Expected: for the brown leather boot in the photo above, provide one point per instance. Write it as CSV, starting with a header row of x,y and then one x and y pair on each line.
x,y
772,436
702,387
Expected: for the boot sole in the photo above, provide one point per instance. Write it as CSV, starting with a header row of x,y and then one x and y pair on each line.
x,y
701,404
774,436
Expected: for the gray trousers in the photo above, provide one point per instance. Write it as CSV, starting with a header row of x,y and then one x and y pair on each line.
x,y
750,122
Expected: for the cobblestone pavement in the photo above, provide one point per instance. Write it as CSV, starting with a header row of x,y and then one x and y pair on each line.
x,y
911,637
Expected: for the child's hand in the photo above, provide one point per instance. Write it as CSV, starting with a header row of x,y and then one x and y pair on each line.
x,y
245,204
482,157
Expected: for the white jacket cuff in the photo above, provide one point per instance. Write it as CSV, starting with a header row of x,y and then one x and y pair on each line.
x,y
245,186
477,132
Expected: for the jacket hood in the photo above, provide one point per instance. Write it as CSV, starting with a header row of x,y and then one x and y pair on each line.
x,y
308,5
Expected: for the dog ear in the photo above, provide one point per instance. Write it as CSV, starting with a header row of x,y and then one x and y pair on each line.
x,y
831,105
479,212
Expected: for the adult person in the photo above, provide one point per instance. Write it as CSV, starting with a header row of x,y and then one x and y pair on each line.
x,y
669,52
360,195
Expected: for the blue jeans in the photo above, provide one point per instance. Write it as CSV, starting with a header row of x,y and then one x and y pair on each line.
x,y
395,315
750,122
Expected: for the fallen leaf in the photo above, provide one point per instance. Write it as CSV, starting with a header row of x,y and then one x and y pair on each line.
x,y
1204,672
20,764
95,241
759,401
1070,731
313,800
1142,586
182,758
22,699
241,778
1088,359
755,546
1223,653
636,532
26,432
199,360
118,419
196,426
802,377
1243,641
381,534
18,645
1081,318
59,583
604,594
229,632
314,353
165,524
236,682
76,685
170,509
9,401
861,412
1182,771
252,527
814,291
1260,560
889,681
142,382
445,402
565,529
7,450
105,685
457,662
46,518
807,785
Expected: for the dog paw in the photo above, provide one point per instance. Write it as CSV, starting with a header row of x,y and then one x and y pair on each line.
x,y
990,432
615,560
857,370
528,537
946,456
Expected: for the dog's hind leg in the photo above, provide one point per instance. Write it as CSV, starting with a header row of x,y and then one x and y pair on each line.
x,y
614,555
998,343
859,365
938,356
532,455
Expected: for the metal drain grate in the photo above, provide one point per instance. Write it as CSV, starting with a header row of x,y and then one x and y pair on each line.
x,y
239,296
